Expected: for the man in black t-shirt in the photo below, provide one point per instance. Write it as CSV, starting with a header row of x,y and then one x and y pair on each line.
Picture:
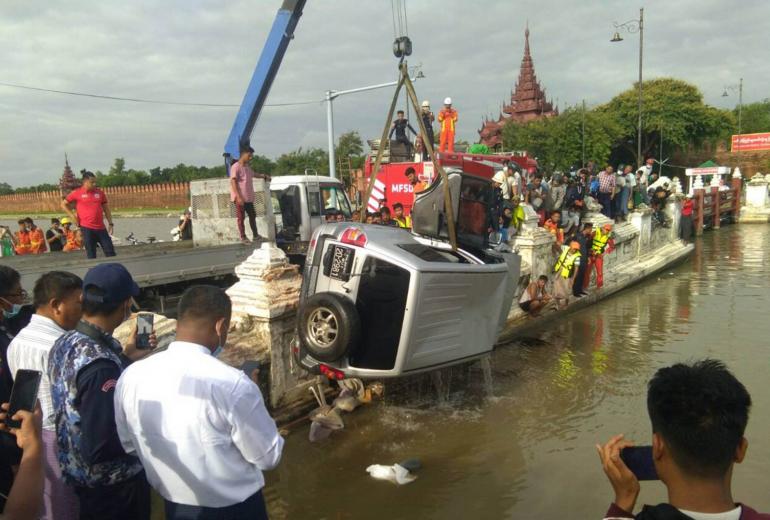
x,y
185,226
55,236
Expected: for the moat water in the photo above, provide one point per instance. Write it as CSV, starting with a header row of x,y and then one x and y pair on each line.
x,y
526,450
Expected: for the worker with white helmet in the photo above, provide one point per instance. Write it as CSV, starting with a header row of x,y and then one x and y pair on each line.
x,y
448,119
427,120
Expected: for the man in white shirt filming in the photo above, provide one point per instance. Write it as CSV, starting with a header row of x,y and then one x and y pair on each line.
x,y
199,426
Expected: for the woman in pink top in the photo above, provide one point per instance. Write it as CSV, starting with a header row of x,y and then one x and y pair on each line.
x,y
242,192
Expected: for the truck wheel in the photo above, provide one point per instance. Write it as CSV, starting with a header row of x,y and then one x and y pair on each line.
x,y
329,326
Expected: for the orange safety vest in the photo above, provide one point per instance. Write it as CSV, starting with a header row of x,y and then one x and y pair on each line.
x,y
37,241
73,244
23,244
447,117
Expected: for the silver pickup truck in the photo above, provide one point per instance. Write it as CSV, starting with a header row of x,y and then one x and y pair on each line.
x,y
381,301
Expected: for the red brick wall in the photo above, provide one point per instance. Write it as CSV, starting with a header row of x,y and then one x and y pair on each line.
x,y
152,196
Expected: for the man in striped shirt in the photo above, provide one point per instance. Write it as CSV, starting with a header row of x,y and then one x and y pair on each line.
x,y
57,300
607,190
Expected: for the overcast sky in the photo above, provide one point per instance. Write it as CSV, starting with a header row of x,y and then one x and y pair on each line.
x,y
200,51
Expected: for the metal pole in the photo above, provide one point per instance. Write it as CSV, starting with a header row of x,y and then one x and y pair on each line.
x,y
661,150
583,138
330,132
330,96
639,129
740,104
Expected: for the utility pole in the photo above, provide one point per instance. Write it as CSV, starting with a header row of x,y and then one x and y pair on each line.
x,y
583,133
740,104
639,160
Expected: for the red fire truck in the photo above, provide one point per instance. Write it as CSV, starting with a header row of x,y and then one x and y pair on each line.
x,y
391,184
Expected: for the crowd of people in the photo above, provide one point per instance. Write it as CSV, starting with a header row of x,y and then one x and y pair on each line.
x,y
29,239
108,429
114,421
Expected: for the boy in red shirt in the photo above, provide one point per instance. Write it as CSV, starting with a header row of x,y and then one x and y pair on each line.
x,y
90,208
242,192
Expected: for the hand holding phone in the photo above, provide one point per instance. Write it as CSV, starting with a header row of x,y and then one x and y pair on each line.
x,y
639,461
144,325
23,394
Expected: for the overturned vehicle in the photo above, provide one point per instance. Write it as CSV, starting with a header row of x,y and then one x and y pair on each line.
x,y
381,301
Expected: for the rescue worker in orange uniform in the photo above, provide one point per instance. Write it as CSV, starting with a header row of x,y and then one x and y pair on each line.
x,y
36,238
448,119
602,242
74,241
22,243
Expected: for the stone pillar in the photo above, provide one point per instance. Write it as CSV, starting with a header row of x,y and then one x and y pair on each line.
x,y
674,212
641,219
737,181
265,301
716,203
756,192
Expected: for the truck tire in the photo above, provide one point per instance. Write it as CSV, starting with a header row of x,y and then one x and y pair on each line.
x,y
329,326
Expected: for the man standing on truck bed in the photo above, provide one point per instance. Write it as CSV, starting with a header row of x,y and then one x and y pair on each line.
x,y
242,191
427,120
90,208
400,126
448,119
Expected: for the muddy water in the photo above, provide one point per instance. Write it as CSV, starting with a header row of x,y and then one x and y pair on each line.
x,y
527,450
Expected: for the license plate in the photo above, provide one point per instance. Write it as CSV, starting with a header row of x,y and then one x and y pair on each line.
x,y
342,263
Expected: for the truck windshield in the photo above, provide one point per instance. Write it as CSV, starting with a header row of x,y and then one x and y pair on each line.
x,y
334,198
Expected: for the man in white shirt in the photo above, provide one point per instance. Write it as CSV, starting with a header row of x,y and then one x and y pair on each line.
x,y
57,299
199,426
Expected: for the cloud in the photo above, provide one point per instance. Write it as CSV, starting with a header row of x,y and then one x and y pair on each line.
x,y
205,51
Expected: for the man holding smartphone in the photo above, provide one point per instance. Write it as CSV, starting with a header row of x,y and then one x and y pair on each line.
x,y
84,366
699,414
199,426
56,297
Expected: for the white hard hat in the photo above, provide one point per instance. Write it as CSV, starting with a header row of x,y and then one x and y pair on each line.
x,y
426,104
448,101
499,178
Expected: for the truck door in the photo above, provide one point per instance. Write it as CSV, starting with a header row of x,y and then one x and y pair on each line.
x,y
314,216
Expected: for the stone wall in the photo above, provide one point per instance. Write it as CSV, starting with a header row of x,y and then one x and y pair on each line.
x,y
167,195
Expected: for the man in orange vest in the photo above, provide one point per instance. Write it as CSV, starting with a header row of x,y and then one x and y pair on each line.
x,y
21,239
448,119
36,238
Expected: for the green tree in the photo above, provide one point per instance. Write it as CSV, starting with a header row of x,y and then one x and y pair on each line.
x,y
262,164
557,142
5,188
297,162
755,117
350,146
671,106
119,167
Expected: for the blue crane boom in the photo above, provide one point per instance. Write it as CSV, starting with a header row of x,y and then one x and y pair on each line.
x,y
269,62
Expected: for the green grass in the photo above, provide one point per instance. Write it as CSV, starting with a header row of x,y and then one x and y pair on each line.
x,y
122,212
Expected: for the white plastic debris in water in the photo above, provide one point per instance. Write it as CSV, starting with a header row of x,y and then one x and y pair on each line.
x,y
395,473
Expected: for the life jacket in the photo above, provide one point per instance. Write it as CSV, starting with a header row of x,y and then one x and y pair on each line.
x,y
565,265
23,243
600,242
37,241
73,244
403,222
72,352
447,117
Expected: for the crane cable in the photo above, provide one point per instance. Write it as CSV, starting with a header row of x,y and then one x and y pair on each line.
x,y
150,101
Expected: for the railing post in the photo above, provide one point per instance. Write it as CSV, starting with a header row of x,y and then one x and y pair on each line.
x,y
715,206
737,186
699,197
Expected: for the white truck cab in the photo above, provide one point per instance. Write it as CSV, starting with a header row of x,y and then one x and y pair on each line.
x,y
301,203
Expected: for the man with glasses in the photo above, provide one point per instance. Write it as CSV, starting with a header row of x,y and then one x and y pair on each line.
x,y
14,316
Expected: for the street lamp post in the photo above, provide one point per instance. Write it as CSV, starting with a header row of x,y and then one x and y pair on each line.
x,y
331,95
633,26
739,88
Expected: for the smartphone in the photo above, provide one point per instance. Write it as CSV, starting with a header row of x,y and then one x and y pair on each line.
x,y
144,322
23,394
639,461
